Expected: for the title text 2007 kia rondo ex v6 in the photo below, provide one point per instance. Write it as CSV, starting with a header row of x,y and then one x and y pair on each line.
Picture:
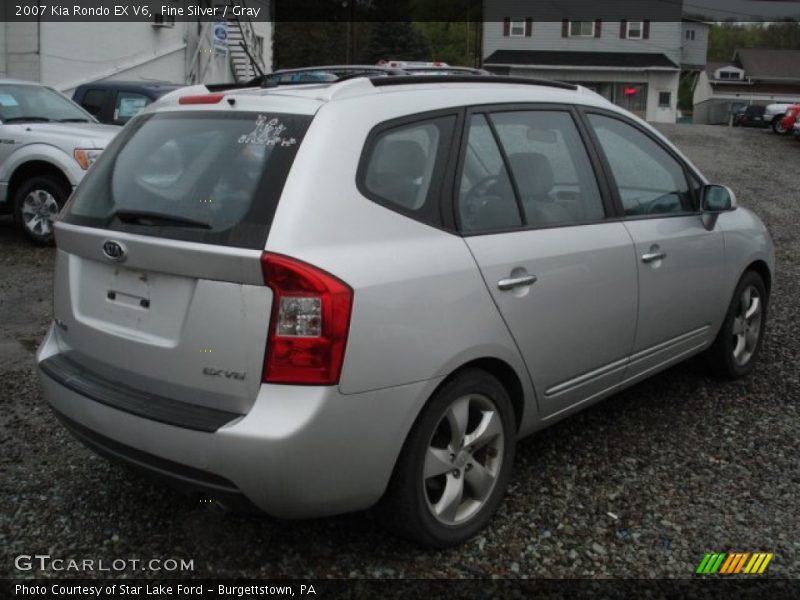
x,y
314,298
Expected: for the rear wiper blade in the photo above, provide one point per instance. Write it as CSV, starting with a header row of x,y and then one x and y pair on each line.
x,y
144,217
37,119
73,120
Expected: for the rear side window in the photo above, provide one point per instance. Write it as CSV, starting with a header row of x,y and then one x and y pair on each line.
x,y
128,105
403,167
550,166
93,101
486,199
208,177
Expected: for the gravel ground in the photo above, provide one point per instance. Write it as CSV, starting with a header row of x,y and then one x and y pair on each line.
x,y
641,485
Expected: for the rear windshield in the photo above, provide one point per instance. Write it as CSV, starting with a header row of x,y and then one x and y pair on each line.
x,y
208,177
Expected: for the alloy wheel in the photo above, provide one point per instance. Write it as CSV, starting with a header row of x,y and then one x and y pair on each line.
x,y
463,459
39,212
747,325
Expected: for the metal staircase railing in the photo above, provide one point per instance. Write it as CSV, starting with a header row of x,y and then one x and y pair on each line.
x,y
245,49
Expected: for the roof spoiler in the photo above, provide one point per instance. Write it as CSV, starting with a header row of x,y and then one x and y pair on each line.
x,y
253,83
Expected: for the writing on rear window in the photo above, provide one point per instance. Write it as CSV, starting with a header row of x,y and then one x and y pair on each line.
x,y
268,133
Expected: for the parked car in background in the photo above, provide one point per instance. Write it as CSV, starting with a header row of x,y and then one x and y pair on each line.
x,y
790,118
331,73
315,298
773,114
796,130
47,143
432,67
115,102
751,115
321,74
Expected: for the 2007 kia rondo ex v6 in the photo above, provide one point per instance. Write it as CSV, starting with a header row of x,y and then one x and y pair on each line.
x,y
312,298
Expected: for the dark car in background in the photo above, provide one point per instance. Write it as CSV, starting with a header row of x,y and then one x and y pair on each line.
x,y
332,73
751,115
115,102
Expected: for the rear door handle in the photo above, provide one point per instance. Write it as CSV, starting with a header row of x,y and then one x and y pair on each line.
x,y
653,256
513,282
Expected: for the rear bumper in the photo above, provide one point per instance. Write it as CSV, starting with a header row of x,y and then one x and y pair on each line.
x,y
190,481
300,452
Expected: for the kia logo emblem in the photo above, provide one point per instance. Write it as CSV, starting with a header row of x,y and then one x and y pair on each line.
x,y
114,251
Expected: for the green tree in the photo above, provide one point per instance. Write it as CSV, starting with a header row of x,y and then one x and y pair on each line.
x,y
725,38
454,42
302,43
400,40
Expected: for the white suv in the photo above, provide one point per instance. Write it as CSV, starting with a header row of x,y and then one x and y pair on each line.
x,y
311,298
47,143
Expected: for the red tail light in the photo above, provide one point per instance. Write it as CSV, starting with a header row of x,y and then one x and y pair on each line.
x,y
309,324
201,99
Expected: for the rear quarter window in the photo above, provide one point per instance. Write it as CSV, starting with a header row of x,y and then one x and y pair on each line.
x,y
208,177
403,165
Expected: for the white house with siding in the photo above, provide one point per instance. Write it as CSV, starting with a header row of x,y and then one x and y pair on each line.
x,y
635,62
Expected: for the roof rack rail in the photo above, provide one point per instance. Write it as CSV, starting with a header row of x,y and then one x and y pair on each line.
x,y
412,79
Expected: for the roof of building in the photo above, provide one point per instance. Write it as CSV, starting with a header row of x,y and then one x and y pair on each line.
x,y
690,19
550,58
712,66
763,63
755,89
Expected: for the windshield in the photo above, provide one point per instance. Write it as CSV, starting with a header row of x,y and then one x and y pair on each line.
x,y
212,177
20,103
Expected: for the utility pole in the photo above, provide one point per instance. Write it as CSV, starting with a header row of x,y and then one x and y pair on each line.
x,y
350,44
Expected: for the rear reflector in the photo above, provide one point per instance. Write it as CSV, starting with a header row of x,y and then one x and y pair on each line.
x,y
309,324
201,99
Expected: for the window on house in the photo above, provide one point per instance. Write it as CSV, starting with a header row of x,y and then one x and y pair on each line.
x,y
162,20
664,99
690,35
581,28
517,28
635,30
631,96
730,75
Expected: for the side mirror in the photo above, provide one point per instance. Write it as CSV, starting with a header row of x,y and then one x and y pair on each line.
x,y
717,199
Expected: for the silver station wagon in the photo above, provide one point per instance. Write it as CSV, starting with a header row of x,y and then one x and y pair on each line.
x,y
315,299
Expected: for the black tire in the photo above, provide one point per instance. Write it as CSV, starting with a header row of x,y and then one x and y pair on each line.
x,y
720,356
39,228
777,127
407,507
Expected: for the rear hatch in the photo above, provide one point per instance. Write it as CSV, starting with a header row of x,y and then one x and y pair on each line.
x,y
159,287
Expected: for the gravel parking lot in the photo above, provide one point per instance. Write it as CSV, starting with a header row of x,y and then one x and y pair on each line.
x,y
641,485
